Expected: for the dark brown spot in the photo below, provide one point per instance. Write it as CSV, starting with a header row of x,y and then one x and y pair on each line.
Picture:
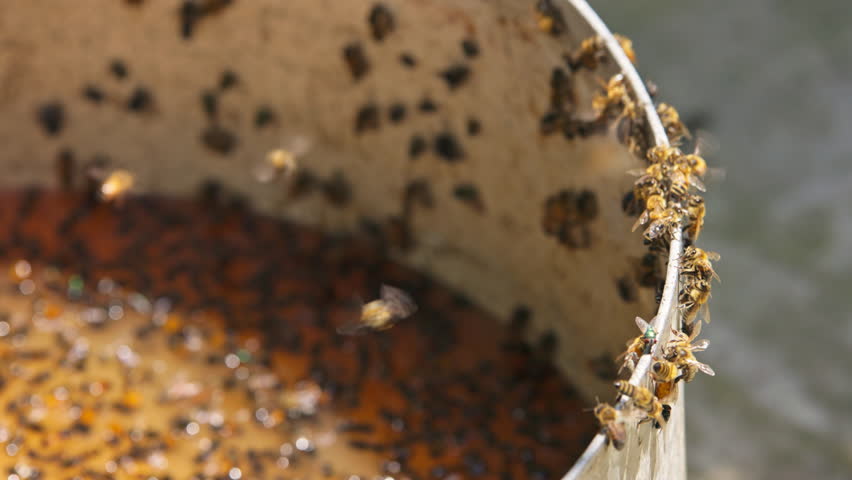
x,y
548,10
118,69
228,79
447,147
470,48
561,90
469,194
473,127
303,183
416,146
551,122
397,233
93,94
456,76
65,169
140,100
587,205
356,60
51,117
367,118
627,289
337,190
219,139
631,205
209,103
407,60
264,116
520,318
193,11
381,22
396,113
417,193
427,105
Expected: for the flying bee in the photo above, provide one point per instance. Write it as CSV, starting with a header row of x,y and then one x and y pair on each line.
x,y
638,346
643,399
116,186
382,314
695,211
693,300
612,424
699,263
675,129
282,162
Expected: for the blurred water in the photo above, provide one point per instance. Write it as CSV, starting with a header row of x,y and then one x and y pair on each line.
x,y
773,79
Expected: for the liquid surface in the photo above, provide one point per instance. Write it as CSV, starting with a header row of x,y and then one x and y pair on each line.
x,y
169,339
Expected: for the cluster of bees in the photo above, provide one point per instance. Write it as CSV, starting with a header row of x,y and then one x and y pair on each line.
x,y
667,197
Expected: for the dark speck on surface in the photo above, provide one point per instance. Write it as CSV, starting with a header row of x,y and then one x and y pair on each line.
x,y
456,76
93,94
407,60
448,147
51,117
416,146
118,69
470,48
396,113
140,100
219,139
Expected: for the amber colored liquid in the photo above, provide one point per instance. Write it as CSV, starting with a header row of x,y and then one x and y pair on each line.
x,y
241,373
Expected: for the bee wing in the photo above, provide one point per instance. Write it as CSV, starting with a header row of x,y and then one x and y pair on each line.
x,y
297,144
353,327
705,313
636,172
642,324
640,221
704,368
713,256
697,183
265,172
700,346
399,302
696,330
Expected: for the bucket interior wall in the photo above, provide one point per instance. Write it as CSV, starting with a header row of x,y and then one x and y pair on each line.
x,y
449,98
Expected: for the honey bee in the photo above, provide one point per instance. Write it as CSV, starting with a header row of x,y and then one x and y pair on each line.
x,y
382,314
697,263
664,154
675,129
695,212
615,101
644,400
282,162
612,424
591,53
663,224
693,300
638,346
116,186
663,371
626,45
679,351
665,391
549,18
655,207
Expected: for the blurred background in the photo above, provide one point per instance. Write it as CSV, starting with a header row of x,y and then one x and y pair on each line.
x,y
772,81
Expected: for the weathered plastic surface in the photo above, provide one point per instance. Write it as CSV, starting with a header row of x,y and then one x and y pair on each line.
x,y
289,56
